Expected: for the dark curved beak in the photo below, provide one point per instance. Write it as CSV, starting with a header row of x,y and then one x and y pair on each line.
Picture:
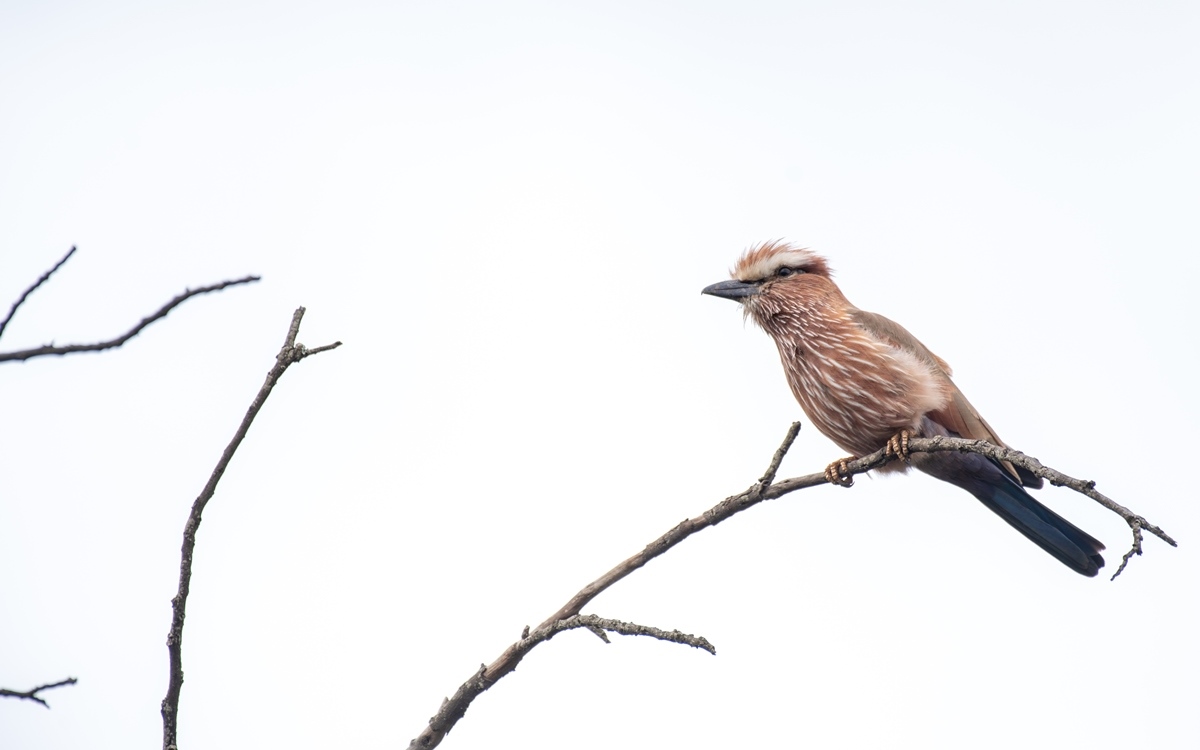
x,y
733,289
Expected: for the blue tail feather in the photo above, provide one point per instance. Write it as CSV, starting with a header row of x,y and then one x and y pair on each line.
x,y
999,491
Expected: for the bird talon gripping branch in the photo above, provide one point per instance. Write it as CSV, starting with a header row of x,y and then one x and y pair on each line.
x,y
897,446
839,473
865,381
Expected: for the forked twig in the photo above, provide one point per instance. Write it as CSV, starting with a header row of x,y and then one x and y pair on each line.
x,y
33,288
50,349
33,694
938,444
766,488
288,355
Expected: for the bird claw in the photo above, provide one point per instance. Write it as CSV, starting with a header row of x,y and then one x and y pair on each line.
x,y
838,472
897,446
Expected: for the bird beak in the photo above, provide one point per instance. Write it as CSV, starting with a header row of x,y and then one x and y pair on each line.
x,y
733,289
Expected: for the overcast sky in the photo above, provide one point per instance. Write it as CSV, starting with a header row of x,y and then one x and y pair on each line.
x,y
507,211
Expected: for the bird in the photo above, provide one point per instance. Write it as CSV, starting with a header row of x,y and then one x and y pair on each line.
x,y
867,383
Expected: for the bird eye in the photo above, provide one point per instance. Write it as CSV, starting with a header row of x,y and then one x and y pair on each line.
x,y
785,272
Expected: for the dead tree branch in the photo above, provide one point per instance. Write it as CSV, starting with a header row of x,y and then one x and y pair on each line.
x,y
33,694
288,355
766,488
50,349
455,707
41,280
1086,487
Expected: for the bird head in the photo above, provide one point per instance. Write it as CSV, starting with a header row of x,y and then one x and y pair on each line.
x,y
772,271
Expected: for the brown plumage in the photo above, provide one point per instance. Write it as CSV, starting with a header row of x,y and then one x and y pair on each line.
x,y
863,380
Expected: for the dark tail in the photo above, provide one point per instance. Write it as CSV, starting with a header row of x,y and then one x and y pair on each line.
x,y
995,488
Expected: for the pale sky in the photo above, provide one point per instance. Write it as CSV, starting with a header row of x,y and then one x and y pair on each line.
x,y
507,212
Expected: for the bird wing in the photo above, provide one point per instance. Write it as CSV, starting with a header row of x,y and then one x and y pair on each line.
x,y
958,415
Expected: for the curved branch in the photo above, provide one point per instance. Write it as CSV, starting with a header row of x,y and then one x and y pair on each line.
x,y
289,354
765,488
33,288
33,694
453,708
43,351
939,444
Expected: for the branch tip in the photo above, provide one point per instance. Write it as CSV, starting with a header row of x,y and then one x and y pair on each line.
x,y
32,695
161,313
766,488
41,280
289,354
769,475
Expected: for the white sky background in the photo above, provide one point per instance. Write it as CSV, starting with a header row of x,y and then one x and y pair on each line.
x,y
507,214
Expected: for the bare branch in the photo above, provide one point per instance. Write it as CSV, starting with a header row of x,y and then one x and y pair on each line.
x,y
764,489
487,676
33,694
601,624
938,444
455,707
769,475
50,349
289,354
1136,549
1057,478
42,280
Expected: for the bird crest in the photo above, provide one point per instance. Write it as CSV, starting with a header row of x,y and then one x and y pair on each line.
x,y
764,260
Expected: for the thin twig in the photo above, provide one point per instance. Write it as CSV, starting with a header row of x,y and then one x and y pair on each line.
x,y
601,624
1136,549
769,475
42,280
453,708
33,694
289,354
764,489
49,349
487,676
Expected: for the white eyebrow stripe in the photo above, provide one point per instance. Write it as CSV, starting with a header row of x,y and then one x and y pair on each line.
x,y
764,267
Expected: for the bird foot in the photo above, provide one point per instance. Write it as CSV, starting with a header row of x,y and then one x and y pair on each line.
x,y
897,445
839,473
